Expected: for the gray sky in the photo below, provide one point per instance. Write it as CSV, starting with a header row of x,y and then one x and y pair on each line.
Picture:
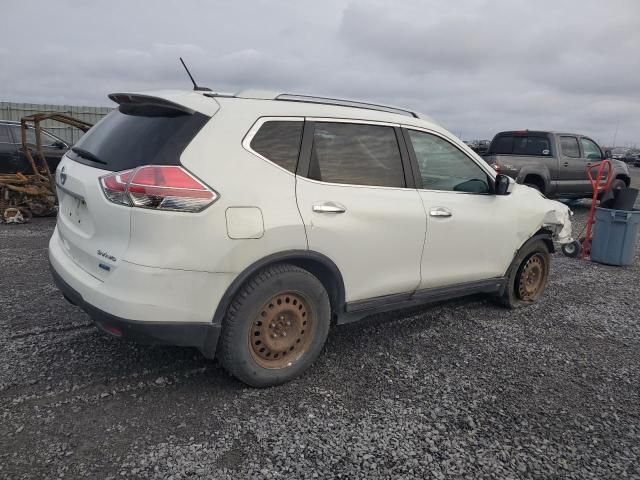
x,y
476,67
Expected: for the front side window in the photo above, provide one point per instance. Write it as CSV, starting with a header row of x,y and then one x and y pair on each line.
x,y
47,140
279,142
590,149
356,154
443,167
570,147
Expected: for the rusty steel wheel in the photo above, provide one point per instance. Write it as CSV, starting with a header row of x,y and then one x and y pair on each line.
x,y
533,277
281,333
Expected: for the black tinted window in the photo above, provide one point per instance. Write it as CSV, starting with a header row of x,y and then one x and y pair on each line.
x,y
444,167
279,141
122,141
5,136
570,147
356,154
521,145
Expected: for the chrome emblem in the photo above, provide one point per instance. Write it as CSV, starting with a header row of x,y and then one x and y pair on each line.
x,y
63,176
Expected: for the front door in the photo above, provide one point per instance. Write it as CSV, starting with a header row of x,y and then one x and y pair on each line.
x,y
471,233
591,155
357,208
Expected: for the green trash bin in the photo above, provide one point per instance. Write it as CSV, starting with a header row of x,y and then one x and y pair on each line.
x,y
615,234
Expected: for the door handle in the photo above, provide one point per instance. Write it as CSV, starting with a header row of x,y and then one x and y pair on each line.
x,y
328,207
440,212
566,164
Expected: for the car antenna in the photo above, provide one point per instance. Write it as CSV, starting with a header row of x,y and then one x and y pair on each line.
x,y
195,85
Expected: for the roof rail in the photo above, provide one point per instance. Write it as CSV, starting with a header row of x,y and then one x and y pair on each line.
x,y
289,97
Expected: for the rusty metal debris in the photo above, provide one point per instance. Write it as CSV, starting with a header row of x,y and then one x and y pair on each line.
x,y
27,194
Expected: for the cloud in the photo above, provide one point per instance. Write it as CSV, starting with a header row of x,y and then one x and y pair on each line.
x,y
475,66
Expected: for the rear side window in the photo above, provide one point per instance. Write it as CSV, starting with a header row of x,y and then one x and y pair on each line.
x,y
121,141
356,154
279,141
570,147
5,136
521,145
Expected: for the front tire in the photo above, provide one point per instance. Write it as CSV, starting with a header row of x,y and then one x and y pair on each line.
x,y
618,184
528,276
275,327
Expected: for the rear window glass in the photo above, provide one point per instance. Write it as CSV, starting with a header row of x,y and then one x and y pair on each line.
x,y
122,141
279,141
521,145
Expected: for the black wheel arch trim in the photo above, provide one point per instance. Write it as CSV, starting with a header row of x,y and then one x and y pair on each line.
x,y
301,258
542,234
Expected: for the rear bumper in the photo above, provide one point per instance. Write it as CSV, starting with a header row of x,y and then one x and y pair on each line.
x,y
200,335
145,304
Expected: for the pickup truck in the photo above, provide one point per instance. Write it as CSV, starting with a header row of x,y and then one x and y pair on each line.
x,y
553,163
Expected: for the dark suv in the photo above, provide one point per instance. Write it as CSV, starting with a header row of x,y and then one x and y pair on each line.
x,y
12,157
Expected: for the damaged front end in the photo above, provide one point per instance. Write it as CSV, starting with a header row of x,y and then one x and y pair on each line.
x,y
558,221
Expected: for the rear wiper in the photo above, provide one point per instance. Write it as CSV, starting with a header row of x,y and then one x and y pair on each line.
x,y
87,154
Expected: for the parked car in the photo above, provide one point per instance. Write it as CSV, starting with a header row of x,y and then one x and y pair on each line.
x,y
483,146
628,155
246,225
553,163
12,157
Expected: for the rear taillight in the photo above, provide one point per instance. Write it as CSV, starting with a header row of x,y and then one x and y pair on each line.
x,y
114,187
160,187
496,167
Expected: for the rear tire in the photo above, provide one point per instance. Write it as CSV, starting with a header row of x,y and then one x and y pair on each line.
x,y
275,327
528,276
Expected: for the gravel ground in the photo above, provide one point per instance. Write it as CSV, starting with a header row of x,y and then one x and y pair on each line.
x,y
458,390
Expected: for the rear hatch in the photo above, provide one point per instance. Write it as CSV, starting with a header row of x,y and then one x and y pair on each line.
x,y
143,131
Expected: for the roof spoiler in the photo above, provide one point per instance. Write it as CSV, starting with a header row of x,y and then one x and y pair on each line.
x,y
147,105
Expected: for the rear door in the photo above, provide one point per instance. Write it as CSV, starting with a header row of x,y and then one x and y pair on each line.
x,y
572,175
358,208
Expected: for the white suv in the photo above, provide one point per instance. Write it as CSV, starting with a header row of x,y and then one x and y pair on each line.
x,y
246,225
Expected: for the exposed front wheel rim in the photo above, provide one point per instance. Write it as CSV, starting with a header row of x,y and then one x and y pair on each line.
x,y
282,331
532,278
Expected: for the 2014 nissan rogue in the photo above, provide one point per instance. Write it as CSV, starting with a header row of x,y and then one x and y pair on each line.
x,y
247,225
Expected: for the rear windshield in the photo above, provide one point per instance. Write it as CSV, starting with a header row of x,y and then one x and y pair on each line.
x,y
122,141
520,145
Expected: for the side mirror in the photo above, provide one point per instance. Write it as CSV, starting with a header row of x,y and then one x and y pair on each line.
x,y
503,184
607,154
60,145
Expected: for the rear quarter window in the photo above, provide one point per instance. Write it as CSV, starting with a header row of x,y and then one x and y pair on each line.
x,y
279,142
